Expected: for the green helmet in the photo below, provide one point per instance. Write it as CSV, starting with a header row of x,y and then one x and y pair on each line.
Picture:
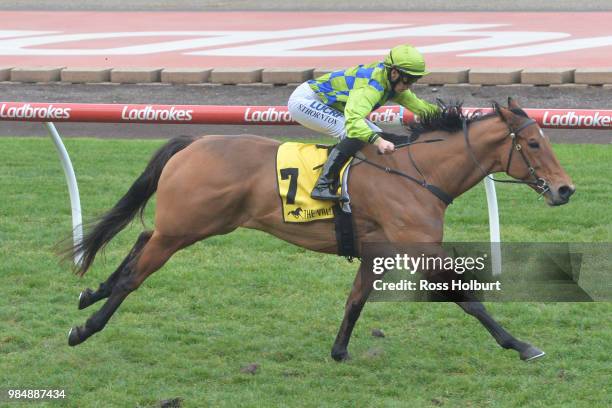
x,y
406,59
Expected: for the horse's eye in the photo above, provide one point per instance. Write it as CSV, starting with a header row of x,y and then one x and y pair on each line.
x,y
533,144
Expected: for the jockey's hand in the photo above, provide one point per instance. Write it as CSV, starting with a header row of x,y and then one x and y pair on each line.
x,y
384,146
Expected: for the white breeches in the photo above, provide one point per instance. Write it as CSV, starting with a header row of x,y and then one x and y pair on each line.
x,y
308,110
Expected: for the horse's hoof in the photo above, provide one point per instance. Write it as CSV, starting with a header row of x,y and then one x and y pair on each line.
x,y
340,355
531,353
85,299
73,337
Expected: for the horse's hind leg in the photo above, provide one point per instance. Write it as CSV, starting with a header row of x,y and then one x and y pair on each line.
x,y
526,351
156,251
88,297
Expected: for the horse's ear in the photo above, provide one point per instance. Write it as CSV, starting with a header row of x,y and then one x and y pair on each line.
x,y
503,113
496,108
512,104
441,103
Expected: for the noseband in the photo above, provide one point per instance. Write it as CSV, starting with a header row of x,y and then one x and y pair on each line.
x,y
538,182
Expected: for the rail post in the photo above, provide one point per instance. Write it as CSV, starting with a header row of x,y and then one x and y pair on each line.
x,y
73,188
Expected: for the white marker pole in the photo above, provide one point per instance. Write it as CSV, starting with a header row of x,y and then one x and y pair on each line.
x,y
73,188
493,225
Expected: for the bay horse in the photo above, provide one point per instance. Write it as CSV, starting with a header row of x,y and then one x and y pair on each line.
x,y
212,185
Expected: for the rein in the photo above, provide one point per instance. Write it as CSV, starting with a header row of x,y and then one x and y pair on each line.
x,y
446,198
538,182
443,196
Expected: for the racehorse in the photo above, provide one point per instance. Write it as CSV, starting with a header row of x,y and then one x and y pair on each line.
x,y
212,185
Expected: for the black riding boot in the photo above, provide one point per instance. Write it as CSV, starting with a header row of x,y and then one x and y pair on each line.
x,y
328,180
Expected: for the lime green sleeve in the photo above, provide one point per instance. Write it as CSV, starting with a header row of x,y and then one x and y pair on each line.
x,y
360,103
415,105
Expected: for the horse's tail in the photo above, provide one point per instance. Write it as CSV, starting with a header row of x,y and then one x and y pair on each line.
x,y
110,224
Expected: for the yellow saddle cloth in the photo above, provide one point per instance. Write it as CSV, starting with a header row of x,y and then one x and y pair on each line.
x,y
298,166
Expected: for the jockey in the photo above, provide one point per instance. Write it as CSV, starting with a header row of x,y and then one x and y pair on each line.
x,y
337,104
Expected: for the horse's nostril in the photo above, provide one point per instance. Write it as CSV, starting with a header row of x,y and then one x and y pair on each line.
x,y
565,192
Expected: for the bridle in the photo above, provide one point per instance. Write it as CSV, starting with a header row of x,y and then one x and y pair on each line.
x,y
537,182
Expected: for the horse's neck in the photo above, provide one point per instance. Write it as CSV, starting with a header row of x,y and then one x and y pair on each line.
x,y
449,165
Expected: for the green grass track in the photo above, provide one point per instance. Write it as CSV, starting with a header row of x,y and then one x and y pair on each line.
x,y
250,298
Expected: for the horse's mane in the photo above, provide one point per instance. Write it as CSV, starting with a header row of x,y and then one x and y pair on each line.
x,y
449,118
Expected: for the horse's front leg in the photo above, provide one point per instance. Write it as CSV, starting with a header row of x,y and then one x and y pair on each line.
x,y
362,286
526,351
468,302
